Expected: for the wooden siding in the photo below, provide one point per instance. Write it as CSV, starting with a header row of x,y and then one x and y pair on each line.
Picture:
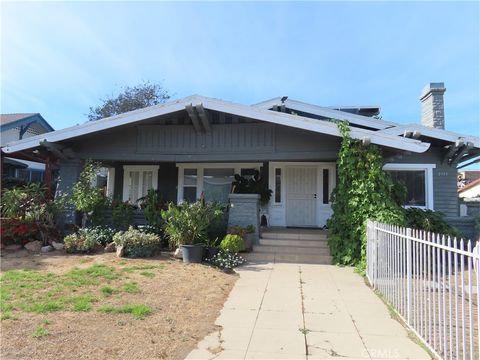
x,y
232,142
223,138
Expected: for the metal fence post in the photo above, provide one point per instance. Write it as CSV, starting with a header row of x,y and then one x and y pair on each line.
x,y
409,275
374,257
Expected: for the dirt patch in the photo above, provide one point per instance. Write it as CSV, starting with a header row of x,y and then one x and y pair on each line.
x,y
185,301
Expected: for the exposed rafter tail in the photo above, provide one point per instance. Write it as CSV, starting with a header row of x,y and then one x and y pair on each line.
x,y
193,116
202,113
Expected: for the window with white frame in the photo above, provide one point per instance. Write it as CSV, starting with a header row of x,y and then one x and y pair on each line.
x,y
213,181
417,180
137,180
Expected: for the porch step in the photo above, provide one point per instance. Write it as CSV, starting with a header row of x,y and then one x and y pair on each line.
x,y
288,258
291,235
294,250
317,243
291,245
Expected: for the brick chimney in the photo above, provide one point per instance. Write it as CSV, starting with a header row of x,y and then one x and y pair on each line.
x,y
433,114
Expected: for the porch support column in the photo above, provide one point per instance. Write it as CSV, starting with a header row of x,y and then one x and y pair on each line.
x,y
245,210
69,172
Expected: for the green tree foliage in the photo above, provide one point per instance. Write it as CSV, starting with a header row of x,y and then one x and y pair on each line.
x,y
86,197
364,191
130,98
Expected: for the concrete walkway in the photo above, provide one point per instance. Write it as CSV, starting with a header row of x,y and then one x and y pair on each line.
x,y
292,311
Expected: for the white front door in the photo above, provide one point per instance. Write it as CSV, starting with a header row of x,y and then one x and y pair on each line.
x,y
301,205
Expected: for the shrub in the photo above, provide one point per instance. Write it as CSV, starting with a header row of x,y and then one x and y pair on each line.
x,y
137,243
16,231
237,230
79,242
87,198
253,185
250,229
30,214
232,243
226,260
186,224
152,204
428,220
218,219
122,215
101,234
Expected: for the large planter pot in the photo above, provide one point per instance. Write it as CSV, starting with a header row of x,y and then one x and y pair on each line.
x,y
192,253
248,241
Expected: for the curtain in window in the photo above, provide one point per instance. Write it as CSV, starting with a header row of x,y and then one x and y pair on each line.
x,y
217,184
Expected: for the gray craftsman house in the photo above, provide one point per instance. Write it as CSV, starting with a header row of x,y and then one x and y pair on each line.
x,y
192,147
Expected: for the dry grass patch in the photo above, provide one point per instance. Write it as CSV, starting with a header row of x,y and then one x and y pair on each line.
x,y
103,307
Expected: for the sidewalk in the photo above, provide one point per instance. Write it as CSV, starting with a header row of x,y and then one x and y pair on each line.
x,y
286,311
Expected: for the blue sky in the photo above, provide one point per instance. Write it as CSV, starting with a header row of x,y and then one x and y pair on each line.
x,y
61,58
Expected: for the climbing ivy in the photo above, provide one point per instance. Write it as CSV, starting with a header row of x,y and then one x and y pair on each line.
x,y
364,191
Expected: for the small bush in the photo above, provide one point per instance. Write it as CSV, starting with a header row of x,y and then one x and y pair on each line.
x,y
101,234
122,215
80,242
137,243
428,220
225,260
232,243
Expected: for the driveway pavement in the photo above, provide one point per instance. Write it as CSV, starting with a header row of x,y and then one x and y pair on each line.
x,y
296,311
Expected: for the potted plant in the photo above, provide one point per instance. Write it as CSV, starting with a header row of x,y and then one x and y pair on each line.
x,y
186,226
244,234
253,185
249,232
211,248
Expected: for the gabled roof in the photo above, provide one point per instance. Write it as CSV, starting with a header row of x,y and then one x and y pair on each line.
x,y
8,121
440,134
327,112
8,118
253,112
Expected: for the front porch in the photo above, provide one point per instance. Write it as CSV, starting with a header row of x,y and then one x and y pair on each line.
x,y
300,190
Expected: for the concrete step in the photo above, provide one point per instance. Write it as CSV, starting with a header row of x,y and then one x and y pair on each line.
x,y
322,243
288,258
298,250
311,235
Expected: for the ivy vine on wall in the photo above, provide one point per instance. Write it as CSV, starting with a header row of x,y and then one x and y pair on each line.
x,y
364,191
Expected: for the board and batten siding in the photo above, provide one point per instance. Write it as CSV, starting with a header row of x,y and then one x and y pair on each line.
x,y
232,142
445,197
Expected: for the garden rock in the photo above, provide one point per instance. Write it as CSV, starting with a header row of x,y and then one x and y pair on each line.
x,y
13,247
57,245
120,251
47,248
34,246
110,247
178,253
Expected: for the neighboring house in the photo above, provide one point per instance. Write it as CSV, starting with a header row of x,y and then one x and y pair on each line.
x,y
14,127
467,176
470,191
194,146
